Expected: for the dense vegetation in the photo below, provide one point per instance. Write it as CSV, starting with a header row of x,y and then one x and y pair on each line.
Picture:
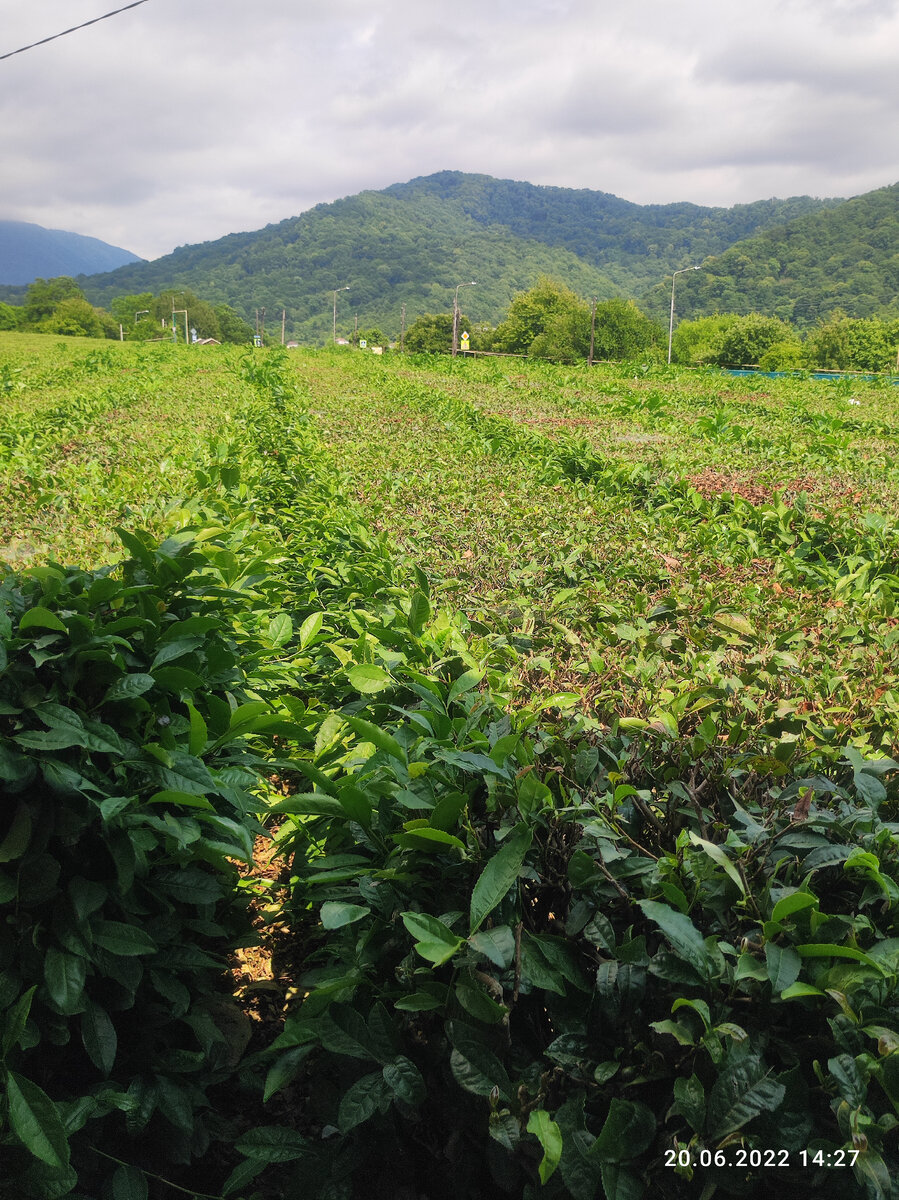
x,y
58,305
845,257
410,245
576,743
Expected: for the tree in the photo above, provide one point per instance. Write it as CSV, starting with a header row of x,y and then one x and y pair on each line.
x,y
9,316
623,331
371,337
44,295
431,333
697,343
76,317
234,329
125,309
747,339
548,321
200,315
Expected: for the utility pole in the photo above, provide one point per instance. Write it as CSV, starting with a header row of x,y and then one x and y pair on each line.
x,y
671,317
179,311
283,320
336,290
471,283
592,332
403,331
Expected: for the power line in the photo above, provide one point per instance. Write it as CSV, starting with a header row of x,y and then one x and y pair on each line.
x,y
84,25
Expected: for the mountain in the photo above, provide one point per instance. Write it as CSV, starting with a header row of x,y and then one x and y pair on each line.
x,y
842,257
29,252
634,244
411,243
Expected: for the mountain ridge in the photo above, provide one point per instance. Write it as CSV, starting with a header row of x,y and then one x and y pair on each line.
x,y
409,245
29,251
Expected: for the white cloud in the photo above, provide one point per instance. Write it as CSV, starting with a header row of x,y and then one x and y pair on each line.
x,y
173,123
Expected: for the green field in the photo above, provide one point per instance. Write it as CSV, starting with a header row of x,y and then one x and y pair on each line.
x,y
569,697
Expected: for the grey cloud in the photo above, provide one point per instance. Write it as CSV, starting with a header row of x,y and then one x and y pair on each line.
x,y
177,123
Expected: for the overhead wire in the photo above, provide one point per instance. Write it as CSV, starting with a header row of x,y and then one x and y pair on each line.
x,y
74,28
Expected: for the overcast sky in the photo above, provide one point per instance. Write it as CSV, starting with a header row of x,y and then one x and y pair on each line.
x,y
182,120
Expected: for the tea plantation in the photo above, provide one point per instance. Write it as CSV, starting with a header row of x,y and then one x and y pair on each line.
x,y
429,778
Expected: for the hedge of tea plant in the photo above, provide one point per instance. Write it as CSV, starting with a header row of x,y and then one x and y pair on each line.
x,y
540,956
555,959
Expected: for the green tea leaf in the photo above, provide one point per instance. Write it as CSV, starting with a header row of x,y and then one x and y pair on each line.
x,y
272,1144
370,732
335,914
466,681
361,1101
742,1090
794,903
434,941
280,631
784,965
64,975
129,1183
500,874
36,1122
368,679
628,1130
40,618
680,931
405,1081
122,939
311,628
497,944
548,1134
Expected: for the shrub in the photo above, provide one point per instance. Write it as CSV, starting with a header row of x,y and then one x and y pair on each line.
x,y
126,805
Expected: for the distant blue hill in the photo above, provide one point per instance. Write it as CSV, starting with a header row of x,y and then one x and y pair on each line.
x,y
29,252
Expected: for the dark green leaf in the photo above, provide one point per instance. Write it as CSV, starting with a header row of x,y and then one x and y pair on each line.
x,y
628,1130
99,1037
500,874
361,1101
743,1089
272,1144
35,1121
64,975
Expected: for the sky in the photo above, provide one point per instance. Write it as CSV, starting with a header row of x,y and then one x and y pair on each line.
x,y
180,121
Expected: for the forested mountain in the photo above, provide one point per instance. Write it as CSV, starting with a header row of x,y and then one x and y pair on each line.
x,y
634,244
412,243
844,257
389,251
29,252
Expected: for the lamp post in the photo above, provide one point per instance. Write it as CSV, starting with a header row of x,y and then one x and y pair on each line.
x,y
336,290
671,317
471,283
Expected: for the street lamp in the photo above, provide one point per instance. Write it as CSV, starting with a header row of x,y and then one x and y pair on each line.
x,y
471,283
671,318
336,290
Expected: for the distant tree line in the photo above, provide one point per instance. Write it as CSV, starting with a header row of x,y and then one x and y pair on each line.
x,y
550,321
547,321
835,343
59,306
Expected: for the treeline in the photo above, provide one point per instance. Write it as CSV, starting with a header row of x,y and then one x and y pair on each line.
x,y
59,306
837,343
550,321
